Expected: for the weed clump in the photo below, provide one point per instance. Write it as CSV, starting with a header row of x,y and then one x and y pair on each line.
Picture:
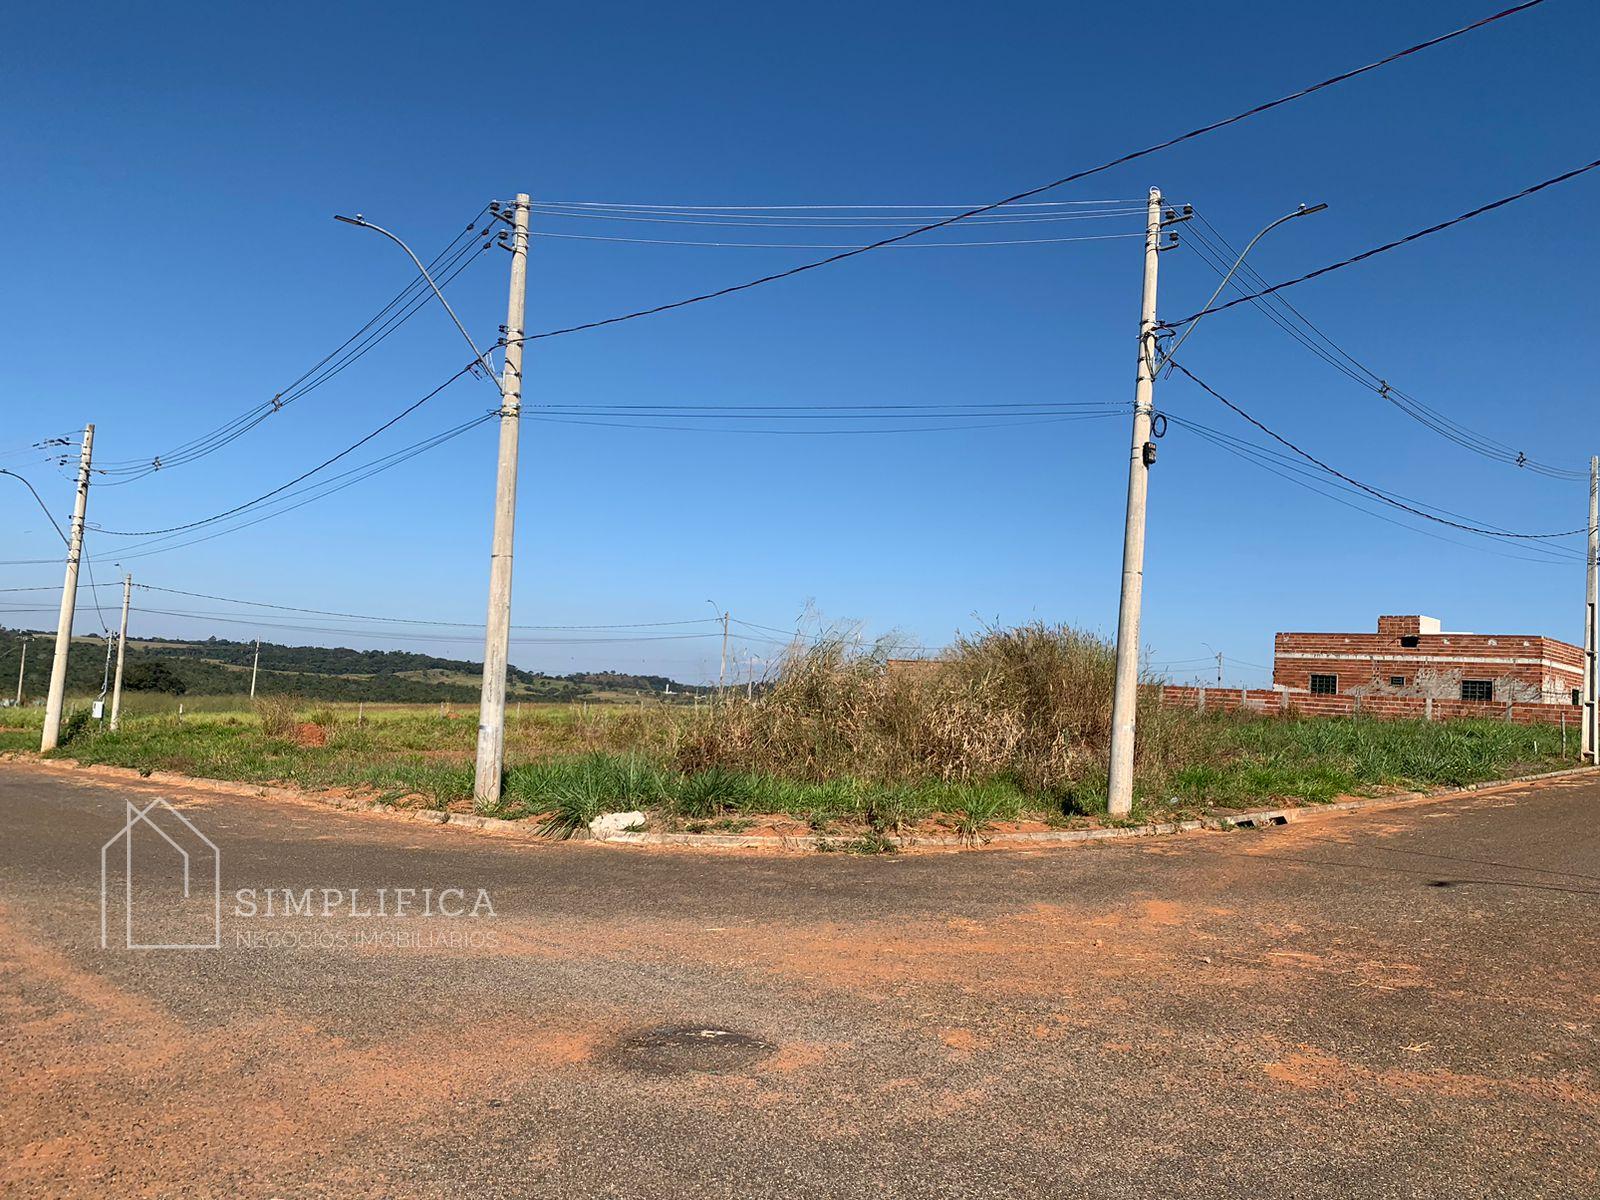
x,y
277,714
1030,704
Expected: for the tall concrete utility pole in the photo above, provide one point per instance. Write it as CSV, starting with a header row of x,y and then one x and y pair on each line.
x,y
1125,694
1591,624
122,653
497,638
69,600
255,665
22,670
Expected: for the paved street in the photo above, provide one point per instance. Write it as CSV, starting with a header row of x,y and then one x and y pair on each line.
x,y
1400,1003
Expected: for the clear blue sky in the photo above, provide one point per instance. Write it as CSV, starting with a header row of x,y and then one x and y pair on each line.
x,y
171,171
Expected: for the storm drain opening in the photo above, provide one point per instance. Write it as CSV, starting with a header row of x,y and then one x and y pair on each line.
x,y
681,1049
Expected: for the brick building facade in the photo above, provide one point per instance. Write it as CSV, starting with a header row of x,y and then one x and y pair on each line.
x,y
1412,656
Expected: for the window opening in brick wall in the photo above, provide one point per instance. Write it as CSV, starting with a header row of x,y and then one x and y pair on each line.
x,y
1324,685
1397,681
1477,689
1410,641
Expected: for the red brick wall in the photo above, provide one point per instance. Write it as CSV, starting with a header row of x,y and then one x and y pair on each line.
x,y
1387,708
1544,666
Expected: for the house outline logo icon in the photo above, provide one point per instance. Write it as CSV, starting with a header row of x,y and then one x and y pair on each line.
x,y
142,817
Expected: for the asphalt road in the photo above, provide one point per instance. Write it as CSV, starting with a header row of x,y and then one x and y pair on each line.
x,y
1400,1003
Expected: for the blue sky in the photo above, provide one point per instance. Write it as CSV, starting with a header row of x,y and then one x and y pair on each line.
x,y
171,261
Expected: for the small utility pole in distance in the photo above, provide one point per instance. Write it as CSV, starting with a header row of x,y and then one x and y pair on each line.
x,y
255,665
722,668
1591,624
69,601
22,670
1125,694
497,638
122,653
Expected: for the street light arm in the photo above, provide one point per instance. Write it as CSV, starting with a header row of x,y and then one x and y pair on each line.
x,y
361,221
1302,211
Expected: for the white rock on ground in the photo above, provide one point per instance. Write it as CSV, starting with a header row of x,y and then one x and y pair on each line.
x,y
608,823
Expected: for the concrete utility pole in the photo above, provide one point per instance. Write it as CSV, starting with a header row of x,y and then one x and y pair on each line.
x,y
21,671
105,681
255,665
497,638
1125,695
722,670
122,653
69,600
1591,624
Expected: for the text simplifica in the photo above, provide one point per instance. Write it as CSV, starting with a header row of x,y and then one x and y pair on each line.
x,y
358,902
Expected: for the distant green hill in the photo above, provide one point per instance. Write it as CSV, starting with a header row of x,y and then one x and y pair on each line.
x,y
216,667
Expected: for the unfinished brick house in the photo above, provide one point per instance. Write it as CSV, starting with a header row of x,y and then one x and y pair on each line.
x,y
1412,656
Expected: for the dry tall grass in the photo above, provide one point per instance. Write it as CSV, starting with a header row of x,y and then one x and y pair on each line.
x,y
1031,703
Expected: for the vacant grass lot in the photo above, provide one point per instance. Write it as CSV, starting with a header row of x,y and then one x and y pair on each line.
x,y
569,763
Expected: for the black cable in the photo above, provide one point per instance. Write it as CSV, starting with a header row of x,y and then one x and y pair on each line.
x,y
1291,320
1131,156
1371,491
395,313
150,587
327,488
1298,467
1387,246
1026,419
328,462
1292,471
44,508
149,469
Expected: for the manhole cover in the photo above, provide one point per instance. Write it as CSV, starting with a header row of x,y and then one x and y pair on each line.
x,y
673,1049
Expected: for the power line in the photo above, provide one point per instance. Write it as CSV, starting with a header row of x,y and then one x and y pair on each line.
x,y
448,264
1387,246
410,620
320,490
43,507
819,221
1305,331
592,237
767,208
1291,470
327,462
1377,493
1120,160
1026,419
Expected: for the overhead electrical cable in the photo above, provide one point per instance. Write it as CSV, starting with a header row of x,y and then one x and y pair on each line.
x,y
1295,471
1300,327
447,264
1130,156
304,475
837,223
857,431
1377,493
768,208
594,237
349,616
43,507
1387,246
317,491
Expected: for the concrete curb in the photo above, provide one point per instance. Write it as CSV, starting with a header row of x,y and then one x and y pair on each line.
x,y
526,830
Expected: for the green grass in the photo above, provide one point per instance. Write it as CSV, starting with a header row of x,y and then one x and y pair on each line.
x,y
567,766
